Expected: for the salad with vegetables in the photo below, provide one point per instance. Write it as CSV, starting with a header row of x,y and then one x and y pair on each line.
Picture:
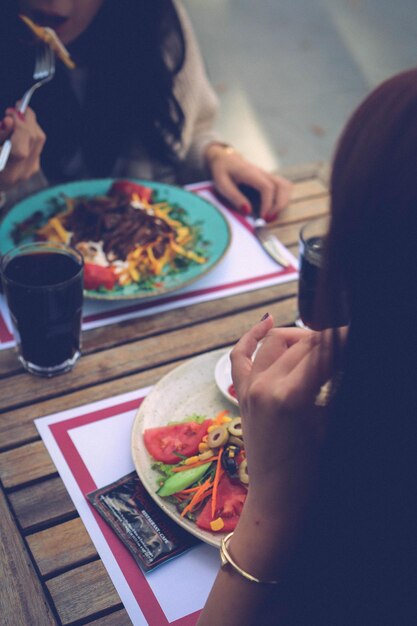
x,y
202,469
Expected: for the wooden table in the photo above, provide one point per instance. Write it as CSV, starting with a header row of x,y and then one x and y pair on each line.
x,y
51,573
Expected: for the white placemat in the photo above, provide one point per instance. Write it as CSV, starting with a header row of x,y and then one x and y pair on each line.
x,y
90,446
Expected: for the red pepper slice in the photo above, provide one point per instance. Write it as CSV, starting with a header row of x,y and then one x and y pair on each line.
x,y
96,276
128,188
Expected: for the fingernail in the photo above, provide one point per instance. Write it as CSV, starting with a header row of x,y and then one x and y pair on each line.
x,y
245,208
270,217
20,115
264,317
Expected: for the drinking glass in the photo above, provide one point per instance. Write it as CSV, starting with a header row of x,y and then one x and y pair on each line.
x,y
312,243
43,284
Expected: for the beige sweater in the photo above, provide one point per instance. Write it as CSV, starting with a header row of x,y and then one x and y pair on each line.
x,y
199,104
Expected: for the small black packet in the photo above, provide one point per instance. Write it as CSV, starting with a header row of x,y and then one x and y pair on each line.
x,y
148,533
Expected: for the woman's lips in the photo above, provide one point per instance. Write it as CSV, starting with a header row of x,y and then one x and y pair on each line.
x,y
53,20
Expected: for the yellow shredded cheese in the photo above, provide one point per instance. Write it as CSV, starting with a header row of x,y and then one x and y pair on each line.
x,y
217,524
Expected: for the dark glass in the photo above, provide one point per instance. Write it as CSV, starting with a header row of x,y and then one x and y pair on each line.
x,y
44,291
312,245
308,280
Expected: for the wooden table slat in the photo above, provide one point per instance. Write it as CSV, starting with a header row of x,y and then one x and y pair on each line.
x,y
50,547
118,618
21,598
41,504
83,592
24,464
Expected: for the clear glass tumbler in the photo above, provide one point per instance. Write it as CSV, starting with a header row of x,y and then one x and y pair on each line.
x,y
43,284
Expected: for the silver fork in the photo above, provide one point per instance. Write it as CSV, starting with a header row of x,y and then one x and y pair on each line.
x,y
44,72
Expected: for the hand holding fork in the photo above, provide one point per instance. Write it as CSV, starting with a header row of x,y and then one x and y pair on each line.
x,y
43,73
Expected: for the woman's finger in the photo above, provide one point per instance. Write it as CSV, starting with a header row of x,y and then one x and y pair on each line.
x,y
231,192
276,342
241,355
283,192
312,371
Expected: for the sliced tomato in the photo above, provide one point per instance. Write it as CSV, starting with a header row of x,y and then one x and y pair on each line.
x,y
230,498
165,443
231,389
96,276
127,188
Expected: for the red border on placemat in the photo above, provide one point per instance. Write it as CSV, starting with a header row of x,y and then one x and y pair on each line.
x,y
5,334
134,576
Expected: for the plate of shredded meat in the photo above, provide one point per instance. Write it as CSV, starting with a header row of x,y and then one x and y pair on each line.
x,y
139,239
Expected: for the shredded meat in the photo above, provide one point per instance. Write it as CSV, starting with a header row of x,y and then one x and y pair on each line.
x,y
121,227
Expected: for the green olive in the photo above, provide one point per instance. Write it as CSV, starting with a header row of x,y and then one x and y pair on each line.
x,y
237,441
235,427
243,472
217,437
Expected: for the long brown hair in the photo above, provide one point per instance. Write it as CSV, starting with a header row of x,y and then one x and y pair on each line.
x,y
358,561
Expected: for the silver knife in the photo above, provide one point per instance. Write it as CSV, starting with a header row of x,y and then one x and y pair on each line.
x,y
269,242
267,239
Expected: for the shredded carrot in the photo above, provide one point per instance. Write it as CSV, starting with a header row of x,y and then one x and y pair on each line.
x,y
219,417
187,491
199,495
217,476
181,468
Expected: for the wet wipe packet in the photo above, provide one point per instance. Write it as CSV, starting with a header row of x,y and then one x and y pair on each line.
x,y
148,533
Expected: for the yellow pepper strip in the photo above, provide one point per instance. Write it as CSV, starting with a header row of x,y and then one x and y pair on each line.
x,y
134,273
189,254
48,36
217,524
60,230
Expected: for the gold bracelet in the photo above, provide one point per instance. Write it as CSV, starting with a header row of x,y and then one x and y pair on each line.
x,y
227,559
225,149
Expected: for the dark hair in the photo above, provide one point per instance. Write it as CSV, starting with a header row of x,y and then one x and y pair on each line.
x,y
132,50
358,558
374,200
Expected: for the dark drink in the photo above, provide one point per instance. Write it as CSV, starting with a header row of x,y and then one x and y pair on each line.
x,y
312,244
43,284
310,259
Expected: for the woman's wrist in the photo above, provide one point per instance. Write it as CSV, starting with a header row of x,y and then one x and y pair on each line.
x,y
263,545
217,150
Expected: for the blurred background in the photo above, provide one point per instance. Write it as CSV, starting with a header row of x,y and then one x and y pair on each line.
x,y
289,72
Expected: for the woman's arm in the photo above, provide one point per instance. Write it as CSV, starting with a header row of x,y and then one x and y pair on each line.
x,y
283,431
204,154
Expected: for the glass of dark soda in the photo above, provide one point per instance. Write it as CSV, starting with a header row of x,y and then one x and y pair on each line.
x,y
43,284
312,244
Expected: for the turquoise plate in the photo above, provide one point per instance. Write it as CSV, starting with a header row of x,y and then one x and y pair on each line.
x,y
213,227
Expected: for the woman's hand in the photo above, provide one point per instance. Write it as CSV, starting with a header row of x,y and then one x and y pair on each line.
x,y
229,169
282,425
27,140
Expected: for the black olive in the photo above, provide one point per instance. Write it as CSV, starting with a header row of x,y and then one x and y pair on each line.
x,y
229,462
